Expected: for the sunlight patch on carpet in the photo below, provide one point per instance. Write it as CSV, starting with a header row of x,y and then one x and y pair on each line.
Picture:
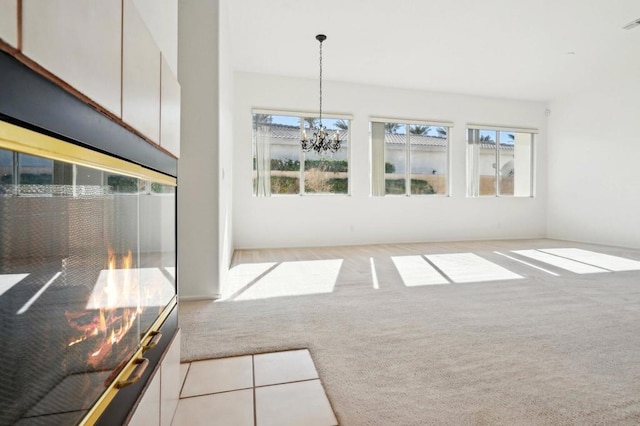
x,y
415,271
9,280
606,261
560,262
294,279
469,267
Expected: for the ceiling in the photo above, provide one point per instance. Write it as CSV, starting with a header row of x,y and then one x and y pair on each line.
x,y
525,49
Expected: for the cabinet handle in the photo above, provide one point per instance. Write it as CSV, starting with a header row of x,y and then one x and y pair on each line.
x,y
155,338
142,364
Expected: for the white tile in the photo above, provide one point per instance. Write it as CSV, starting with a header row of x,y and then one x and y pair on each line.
x,y
294,404
228,408
283,367
218,375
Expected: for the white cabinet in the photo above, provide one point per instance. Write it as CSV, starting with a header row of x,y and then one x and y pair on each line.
x,y
169,110
160,400
148,410
103,49
140,75
161,17
170,389
9,22
79,41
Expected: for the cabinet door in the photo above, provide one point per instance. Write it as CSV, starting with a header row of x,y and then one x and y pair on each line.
x,y
140,75
79,41
170,389
169,110
148,410
161,17
9,22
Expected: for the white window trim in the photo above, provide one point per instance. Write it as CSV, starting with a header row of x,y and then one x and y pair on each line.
x,y
408,123
436,123
305,114
490,127
534,141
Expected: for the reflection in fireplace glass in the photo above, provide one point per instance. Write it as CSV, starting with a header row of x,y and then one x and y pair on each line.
x,y
87,263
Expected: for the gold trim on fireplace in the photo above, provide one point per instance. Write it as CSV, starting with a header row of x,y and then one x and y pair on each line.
x,y
16,138
127,371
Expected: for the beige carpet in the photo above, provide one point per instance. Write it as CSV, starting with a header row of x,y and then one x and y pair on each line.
x,y
539,350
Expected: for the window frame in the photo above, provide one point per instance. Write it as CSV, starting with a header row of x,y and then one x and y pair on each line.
x,y
533,132
408,169
302,115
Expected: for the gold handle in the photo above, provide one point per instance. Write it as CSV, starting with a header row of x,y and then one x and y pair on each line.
x,y
156,336
142,364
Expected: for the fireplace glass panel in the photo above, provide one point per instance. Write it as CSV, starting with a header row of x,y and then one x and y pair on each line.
x,y
87,264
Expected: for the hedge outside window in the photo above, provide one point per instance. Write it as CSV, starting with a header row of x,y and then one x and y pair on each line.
x,y
279,165
409,158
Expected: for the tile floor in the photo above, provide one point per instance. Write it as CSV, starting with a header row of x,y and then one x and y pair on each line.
x,y
279,388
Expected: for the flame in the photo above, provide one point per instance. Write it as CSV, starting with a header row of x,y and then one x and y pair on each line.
x,y
112,322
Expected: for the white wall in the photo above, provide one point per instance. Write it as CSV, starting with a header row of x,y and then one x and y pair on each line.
x,y
289,221
225,139
594,168
198,232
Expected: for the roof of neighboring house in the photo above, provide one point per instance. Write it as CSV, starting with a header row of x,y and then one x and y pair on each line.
x,y
283,131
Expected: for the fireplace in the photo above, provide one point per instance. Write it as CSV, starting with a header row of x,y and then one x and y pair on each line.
x,y
88,288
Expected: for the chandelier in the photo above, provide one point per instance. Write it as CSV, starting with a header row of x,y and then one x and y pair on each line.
x,y
321,141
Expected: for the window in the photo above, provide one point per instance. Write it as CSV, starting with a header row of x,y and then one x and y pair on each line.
x,y
499,162
409,158
279,165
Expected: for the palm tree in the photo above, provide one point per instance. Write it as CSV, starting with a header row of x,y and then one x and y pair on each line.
x,y
342,125
391,127
486,138
419,130
311,122
262,120
441,131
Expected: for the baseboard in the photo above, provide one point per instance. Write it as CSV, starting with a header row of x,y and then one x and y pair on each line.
x,y
199,298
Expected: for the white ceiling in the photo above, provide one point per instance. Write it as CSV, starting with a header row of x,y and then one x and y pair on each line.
x,y
515,49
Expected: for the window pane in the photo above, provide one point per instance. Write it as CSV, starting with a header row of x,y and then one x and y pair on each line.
x,y
6,172
511,174
506,170
276,154
428,154
395,158
487,162
35,174
515,164
328,173
473,156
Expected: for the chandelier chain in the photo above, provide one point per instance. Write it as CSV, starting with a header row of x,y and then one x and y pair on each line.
x,y
321,83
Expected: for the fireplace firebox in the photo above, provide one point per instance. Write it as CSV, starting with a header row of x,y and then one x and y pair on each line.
x,y
88,288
